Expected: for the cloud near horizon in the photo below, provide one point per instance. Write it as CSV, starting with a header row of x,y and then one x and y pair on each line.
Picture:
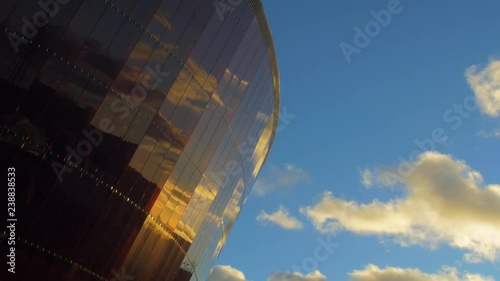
x,y
225,273
370,273
374,273
280,177
281,218
486,86
287,276
445,201
228,273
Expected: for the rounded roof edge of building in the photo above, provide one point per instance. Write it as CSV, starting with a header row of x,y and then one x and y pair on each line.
x,y
265,31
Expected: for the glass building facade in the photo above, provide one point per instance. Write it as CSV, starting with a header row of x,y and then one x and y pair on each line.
x,y
136,130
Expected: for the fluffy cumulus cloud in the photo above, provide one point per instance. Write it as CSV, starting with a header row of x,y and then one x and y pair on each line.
x,y
281,217
287,276
486,86
374,273
445,201
225,273
280,177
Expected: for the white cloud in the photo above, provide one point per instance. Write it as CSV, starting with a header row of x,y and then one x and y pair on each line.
x,y
473,258
445,201
492,134
486,86
374,273
280,177
228,273
366,178
286,276
225,273
281,217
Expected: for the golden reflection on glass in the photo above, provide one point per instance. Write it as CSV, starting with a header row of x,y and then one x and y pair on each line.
x,y
142,153
155,195
262,147
195,212
163,21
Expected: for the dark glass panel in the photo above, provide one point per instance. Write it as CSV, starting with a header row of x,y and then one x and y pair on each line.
x,y
120,49
81,26
143,11
192,31
179,22
6,7
124,5
161,20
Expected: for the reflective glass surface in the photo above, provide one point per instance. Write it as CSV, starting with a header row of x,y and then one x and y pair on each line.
x,y
137,129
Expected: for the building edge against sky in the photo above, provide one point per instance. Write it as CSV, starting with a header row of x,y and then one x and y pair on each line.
x,y
136,130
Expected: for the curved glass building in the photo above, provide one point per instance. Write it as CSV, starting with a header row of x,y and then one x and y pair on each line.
x,y
136,130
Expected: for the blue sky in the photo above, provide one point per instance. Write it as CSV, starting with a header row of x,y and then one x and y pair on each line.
x,y
431,75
